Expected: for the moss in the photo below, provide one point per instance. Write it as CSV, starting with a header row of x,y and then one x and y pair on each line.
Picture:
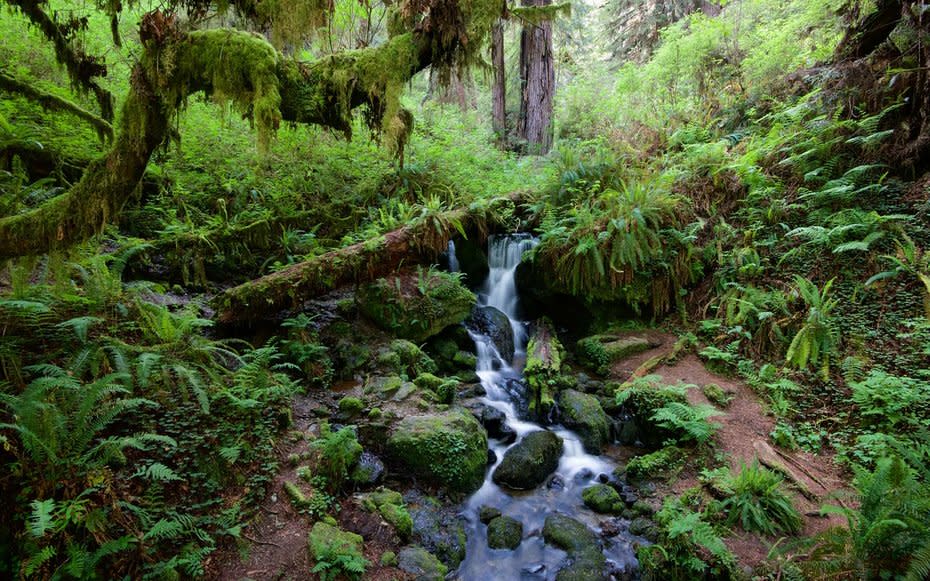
x,y
717,395
448,448
543,368
351,406
664,464
388,559
398,517
428,381
603,499
329,542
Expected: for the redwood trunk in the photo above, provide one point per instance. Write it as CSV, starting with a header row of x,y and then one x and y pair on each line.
x,y
537,80
499,85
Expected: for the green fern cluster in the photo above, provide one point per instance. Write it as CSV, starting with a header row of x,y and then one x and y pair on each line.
x,y
756,500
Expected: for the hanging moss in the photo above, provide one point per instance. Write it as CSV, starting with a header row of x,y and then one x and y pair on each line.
x,y
234,67
536,15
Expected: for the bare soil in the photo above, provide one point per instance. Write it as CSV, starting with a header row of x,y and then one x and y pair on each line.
x,y
742,438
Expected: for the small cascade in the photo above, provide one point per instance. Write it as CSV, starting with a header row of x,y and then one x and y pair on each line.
x,y
506,391
453,259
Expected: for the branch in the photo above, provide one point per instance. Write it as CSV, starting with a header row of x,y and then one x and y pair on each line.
x,y
52,102
82,68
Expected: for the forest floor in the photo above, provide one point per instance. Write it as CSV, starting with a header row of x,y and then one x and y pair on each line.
x,y
743,437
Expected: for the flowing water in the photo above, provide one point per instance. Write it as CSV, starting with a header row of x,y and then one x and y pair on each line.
x,y
505,390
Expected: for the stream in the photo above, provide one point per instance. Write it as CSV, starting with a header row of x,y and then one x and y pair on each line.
x,y
506,391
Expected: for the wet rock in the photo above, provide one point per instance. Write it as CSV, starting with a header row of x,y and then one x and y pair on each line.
x,y
528,464
556,483
488,513
496,326
643,527
626,431
492,457
448,448
398,517
472,388
583,414
587,562
473,261
583,475
368,471
421,564
438,528
413,308
505,532
465,360
602,499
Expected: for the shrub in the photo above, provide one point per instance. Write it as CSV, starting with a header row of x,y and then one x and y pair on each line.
x,y
688,423
756,500
338,452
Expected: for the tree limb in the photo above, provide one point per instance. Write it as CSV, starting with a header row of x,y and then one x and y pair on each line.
x,y
53,102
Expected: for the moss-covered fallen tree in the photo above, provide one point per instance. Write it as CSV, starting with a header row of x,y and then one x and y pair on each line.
x,y
416,243
244,69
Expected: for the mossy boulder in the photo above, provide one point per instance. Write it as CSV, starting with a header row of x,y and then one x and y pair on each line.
x,y
398,517
599,352
527,464
583,414
586,560
603,499
717,395
327,540
505,532
402,357
368,470
448,448
351,406
418,562
416,306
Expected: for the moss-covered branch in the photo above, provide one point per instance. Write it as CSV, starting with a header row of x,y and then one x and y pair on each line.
x,y
53,102
83,69
366,261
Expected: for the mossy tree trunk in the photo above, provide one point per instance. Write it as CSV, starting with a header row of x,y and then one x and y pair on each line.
x,y
242,67
499,84
537,81
362,262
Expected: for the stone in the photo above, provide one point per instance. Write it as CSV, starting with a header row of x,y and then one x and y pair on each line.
x,y
465,360
368,471
583,414
643,527
603,499
488,513
505,532
421,564
528,463
586,560
416,307
448,448
599,352
326,540
398,517
438,528
494,324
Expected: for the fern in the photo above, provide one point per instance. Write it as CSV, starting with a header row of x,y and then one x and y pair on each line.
x,y
818,338
755,499
42,519
688,422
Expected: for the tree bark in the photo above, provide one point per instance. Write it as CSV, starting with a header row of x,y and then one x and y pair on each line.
x,y
365,261
537,80
499,84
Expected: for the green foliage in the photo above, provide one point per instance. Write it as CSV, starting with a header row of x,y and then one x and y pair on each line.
x,y
338,453
886,536
689,423
890,403
756,500
664,463
817,341
336,552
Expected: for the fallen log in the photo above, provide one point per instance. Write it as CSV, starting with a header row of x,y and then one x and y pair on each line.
x,y
417,243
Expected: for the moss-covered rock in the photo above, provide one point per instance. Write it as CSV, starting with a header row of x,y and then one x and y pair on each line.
x,y
421,564
488,513
448,448
398,517
351,406
527,464
505,532
586,560
717,395
583,414
664,464
599,352
416,306
496,326
603,499
368,470
327,541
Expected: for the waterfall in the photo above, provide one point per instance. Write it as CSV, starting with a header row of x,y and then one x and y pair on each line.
x,y
453,259
504,389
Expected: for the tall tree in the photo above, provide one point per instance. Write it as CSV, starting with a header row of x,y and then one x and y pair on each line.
x,y
537,78
498,84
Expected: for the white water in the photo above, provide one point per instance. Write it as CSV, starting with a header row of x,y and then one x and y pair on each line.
x,y
505,390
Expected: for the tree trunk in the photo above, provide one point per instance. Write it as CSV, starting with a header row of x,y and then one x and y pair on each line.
x,y
537,80
361,262
499,84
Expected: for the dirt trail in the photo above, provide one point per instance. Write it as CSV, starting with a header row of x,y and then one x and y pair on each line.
x,y
743,437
